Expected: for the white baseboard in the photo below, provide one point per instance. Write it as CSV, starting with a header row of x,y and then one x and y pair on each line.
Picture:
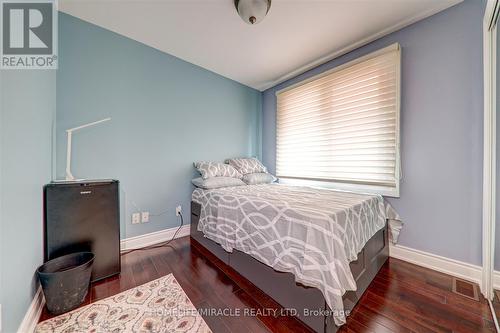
x,y
445,265
153,238
33,314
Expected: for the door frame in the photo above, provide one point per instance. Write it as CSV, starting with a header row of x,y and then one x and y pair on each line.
x,y
489,155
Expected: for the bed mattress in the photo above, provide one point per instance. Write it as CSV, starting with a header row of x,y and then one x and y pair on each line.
x,y
310,232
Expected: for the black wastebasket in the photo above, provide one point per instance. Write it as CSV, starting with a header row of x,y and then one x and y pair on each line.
x,y
65,281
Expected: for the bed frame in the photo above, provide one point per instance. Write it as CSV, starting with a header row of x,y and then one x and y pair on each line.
x,y
282,286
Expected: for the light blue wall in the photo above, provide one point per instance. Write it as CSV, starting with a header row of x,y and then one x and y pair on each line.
x,y
166,113
441,130
27,113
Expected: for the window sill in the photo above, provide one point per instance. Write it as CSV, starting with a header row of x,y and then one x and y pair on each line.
x,y
392,192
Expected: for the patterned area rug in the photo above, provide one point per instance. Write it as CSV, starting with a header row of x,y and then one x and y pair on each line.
x,y
157,306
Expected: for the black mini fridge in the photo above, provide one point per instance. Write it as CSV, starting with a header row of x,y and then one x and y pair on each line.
x,y
84,216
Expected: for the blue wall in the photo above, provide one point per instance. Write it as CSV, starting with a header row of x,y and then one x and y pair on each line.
x,y
27,114
441,130
166,114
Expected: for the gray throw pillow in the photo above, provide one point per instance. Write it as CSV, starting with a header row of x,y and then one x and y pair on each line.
x,y
215,169
247,165
258,178
217,182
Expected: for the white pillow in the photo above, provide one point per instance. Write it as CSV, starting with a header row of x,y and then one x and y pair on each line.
x,y
217,182
258,178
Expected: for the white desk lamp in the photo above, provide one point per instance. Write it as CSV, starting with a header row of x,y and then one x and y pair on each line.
x,y
69,175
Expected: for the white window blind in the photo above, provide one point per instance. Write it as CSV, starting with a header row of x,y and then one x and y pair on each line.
x,y
343,126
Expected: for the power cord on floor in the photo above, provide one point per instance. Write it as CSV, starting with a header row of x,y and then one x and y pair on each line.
x,y
160,244
492,309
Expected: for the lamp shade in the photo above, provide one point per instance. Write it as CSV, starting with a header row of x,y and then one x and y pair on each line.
x,y
252,11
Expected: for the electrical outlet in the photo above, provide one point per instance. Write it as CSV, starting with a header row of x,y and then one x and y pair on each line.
x,y
178,210
136,218
145,217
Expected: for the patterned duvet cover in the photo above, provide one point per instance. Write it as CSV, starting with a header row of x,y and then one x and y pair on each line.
x,y
310,232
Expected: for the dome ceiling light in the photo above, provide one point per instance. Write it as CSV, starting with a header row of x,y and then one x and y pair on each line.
x,y
252,11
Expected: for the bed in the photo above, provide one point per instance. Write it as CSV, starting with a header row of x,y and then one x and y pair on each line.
x,y
313,250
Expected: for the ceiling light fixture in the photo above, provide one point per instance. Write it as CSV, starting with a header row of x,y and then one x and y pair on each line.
x,y
252,11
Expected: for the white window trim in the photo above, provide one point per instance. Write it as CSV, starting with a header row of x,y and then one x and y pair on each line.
x,y
360,188
386,191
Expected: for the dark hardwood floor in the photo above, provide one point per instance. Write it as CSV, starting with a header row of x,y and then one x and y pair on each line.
x,y
402,298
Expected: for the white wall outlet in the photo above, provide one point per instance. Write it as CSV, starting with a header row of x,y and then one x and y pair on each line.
x,y
136,218
178,210
145,217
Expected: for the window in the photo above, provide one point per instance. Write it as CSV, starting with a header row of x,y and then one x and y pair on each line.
x,y
342,126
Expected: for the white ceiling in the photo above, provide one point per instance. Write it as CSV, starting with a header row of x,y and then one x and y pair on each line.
x,y
295,35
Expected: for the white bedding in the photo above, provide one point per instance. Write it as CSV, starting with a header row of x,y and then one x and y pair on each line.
x,y
310,232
